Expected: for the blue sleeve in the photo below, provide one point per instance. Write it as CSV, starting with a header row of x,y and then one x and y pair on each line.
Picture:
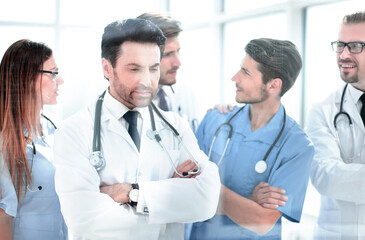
x,y
201,132
293,172
9,200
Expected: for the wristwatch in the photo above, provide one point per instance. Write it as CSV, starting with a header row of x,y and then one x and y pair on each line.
x,y
133,195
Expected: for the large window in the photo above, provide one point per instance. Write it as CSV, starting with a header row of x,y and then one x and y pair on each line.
x,y
321,71
73,29
212,47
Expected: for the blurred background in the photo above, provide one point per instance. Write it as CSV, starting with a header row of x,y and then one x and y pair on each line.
x,y
214,35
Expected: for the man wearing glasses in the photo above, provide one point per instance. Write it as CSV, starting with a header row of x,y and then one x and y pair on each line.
x,y
336,127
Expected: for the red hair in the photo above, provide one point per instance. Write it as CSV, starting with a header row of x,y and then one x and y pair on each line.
x,y
19,69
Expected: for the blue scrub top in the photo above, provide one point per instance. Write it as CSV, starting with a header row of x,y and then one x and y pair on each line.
x,y
38,214
288,167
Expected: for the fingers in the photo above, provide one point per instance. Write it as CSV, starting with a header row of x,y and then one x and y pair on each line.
x,y
272,199
185,167
268,196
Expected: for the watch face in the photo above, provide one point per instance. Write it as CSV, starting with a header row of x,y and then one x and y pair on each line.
x,y
133,195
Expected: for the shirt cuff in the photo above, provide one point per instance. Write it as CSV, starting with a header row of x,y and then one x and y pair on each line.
x,y
141,205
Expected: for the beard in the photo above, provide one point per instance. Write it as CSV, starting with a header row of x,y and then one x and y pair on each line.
x,y
126,96
346,78
166,79
264,95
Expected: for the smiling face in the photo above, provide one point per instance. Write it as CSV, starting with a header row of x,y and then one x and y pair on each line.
x,y
170,62
134,79
352,66
49,85
249,85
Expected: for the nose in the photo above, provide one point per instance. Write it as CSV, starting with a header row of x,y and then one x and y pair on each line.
x,y
235,77
59,80
176,62
345,53
146,78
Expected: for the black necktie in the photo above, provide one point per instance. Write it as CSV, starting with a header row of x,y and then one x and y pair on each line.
x,y
362,112
162,100
131,118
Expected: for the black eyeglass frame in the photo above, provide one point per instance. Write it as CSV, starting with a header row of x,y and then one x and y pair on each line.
x,y
348,46
55,74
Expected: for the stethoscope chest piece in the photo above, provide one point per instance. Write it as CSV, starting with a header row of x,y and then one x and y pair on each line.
x,y
96,160
261,166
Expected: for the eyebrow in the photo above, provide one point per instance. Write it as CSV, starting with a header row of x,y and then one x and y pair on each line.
x,y
245,69
165,53
137,65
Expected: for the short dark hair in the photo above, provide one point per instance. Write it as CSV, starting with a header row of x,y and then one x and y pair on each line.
x,y
169,26
276,59
357,17
134,30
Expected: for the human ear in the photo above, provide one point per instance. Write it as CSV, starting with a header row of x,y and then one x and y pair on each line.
x,y
107,68
275,85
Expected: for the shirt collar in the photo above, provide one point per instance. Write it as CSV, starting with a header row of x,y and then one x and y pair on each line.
x,y
355,93
118,109
269,131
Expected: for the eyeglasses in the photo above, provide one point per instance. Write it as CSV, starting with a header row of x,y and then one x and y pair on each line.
x,y
354,47
54,74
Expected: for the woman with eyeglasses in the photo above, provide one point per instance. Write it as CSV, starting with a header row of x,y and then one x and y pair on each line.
x,y
29,205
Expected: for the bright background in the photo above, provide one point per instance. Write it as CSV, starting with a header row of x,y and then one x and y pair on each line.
x,y
215,34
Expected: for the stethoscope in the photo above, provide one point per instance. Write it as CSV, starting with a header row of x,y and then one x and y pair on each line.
x,y
261,165
342,112
34,152
97,160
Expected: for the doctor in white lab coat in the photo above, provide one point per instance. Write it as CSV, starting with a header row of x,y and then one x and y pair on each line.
x,y
338,169
98,204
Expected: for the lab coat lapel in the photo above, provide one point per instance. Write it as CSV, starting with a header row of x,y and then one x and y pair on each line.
x,y
350,107
113,125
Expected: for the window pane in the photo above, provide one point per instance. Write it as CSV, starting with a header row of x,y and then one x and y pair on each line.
x,y
237,35
199,66
10,34
191,11
322,74
101,13
234,6
80,67
42,11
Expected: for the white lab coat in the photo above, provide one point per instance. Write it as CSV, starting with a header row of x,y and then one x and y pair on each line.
x,y
182,100
90,214
339,180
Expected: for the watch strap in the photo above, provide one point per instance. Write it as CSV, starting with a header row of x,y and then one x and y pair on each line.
x,y
134,186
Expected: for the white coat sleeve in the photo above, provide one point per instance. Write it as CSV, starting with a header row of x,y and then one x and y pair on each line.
x,y
87,212
330,175
184,199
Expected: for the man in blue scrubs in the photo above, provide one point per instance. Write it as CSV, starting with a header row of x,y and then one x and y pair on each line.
x,y
253,199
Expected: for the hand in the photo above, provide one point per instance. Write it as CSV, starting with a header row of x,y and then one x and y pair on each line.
x,y
223,108
118,192
187,166
267,196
